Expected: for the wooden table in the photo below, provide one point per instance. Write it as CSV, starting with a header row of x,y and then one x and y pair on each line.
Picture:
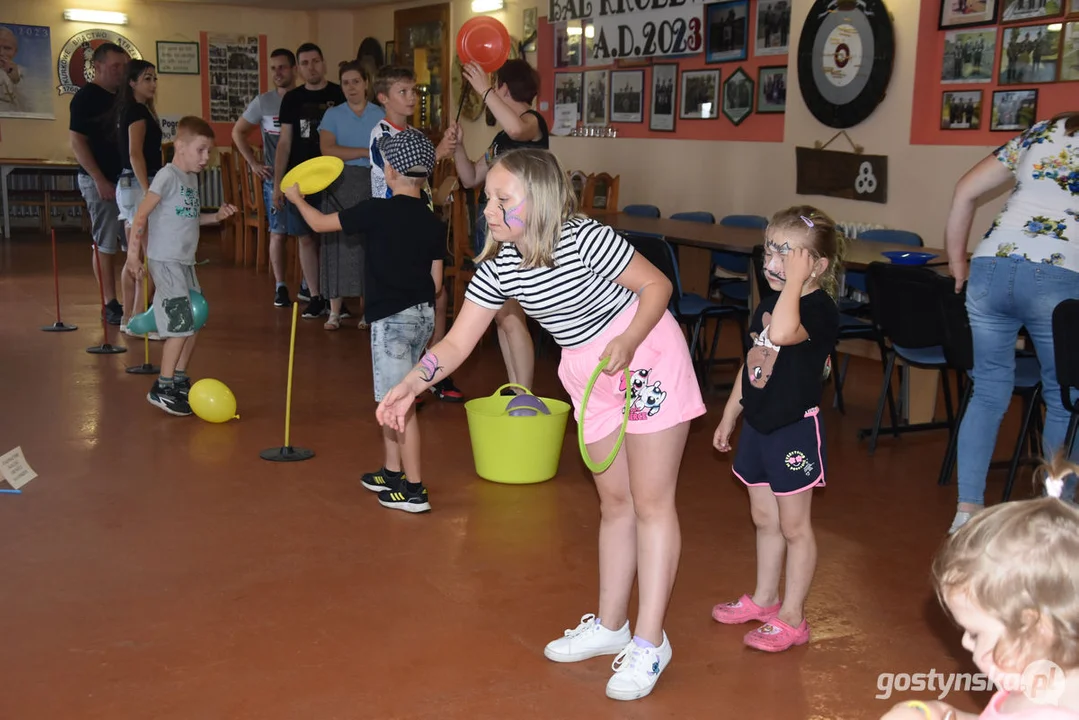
x,y
696,242
8,165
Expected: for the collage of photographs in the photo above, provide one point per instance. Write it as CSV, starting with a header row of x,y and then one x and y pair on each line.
x,y
1004,43
732,34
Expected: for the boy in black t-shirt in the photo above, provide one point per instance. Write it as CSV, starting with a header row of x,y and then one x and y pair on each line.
x,y
301,114
404,246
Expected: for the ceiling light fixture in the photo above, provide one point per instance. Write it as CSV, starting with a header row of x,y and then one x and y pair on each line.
x,y
97,17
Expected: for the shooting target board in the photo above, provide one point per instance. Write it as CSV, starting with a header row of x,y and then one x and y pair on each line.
x,y
845,57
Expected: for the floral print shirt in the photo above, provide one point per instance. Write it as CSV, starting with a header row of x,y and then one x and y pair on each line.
x,y
1040,221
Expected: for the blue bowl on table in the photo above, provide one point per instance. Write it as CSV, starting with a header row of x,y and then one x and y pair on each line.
x,y
905,257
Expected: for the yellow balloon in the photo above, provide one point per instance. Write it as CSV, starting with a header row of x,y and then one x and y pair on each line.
x,y
212,401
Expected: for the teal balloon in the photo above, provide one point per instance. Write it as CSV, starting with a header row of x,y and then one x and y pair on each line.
x,y
146,323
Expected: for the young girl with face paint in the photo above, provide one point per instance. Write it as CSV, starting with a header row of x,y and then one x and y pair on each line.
x,y
603,303
781,450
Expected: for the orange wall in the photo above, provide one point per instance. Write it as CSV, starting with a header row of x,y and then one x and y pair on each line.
x,y
925,129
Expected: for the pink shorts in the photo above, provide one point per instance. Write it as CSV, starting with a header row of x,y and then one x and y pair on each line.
x,y
664,384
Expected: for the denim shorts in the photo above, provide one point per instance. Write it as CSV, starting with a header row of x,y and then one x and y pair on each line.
x,y
129,195
294,221
397,344
105,223
276,218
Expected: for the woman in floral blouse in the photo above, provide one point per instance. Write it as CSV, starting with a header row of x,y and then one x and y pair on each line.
x,y
1021,270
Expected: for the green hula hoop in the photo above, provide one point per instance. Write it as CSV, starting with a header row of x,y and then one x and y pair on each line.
x,y
606,463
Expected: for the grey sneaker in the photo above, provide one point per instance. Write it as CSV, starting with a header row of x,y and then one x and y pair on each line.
x,y
961,519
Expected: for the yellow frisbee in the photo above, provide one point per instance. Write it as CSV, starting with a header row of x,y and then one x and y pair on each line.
x,y
314,175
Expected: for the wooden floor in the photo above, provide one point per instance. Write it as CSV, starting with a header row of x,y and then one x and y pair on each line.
x,y
157,568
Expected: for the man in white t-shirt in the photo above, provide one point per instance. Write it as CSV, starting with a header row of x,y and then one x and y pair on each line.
x,y
263,113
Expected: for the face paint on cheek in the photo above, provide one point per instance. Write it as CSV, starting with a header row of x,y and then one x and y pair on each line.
x,y
511,217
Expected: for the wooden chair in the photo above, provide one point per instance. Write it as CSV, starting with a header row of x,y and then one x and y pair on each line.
x,y
231,229
600,193
459,245
253,220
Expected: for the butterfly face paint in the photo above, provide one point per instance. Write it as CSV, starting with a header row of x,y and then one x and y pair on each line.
x,y
511,216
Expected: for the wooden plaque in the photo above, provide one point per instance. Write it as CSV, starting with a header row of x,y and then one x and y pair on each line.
x,y
844,175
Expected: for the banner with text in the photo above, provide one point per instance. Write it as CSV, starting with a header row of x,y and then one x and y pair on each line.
x,y
674,31
562,10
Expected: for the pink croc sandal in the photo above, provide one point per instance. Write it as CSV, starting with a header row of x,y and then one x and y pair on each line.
x,y
777,636
742,611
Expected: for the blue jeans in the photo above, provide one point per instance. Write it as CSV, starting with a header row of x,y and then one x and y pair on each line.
x,y
275,217
1003,295
397,344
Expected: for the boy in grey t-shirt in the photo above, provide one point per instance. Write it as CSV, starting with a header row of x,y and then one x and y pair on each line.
x,y
173,213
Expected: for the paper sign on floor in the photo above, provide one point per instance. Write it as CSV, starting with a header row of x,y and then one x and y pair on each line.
x,y
14,471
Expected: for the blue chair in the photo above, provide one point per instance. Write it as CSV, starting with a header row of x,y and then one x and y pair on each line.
x,y
689,309
856,279
735,290
906,319
648,211
699,216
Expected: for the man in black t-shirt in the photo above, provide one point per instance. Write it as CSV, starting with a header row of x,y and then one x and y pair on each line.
x,y
93,140
301,114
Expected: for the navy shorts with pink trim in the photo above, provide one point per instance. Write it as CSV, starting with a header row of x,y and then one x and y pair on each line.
x,y
789,460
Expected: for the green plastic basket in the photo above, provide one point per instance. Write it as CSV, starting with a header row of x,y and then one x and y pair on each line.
x,y
515,450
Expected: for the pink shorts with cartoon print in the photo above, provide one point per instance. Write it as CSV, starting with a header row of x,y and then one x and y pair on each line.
x,y
664,384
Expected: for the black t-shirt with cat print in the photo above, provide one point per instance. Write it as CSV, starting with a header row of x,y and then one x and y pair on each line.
x,y
780,384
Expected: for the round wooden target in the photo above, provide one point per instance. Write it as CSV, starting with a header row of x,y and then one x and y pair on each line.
x,y
845,57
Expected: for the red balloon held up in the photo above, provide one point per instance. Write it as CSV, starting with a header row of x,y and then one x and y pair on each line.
x,y
484,41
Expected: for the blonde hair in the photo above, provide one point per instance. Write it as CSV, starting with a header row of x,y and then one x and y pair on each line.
x,y
821,235
551,202
1016,562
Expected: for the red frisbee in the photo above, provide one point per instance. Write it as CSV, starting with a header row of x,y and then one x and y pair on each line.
x,y
485,41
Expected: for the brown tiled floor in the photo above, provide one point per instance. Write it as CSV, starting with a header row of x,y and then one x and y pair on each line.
x,y
157,568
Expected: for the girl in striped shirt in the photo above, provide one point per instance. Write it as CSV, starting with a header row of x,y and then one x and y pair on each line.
x,y
602,302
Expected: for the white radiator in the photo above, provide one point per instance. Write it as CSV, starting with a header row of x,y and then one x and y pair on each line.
x,y
210,192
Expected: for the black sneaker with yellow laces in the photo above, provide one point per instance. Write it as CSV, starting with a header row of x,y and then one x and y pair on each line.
x,y
382,479
410,497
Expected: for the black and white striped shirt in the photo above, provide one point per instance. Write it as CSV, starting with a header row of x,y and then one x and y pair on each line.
x,y
576,299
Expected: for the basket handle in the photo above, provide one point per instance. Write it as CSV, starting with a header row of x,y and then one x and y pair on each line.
x,y
511,385
606,463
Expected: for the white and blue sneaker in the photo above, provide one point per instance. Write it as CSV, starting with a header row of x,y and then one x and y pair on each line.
x,y
636,670
587,640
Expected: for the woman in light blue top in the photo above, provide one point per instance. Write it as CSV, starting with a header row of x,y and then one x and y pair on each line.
x,y
345,132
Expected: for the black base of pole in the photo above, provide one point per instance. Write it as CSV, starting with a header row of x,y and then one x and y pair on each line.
x,y
106,349
144,369
59,327
287,454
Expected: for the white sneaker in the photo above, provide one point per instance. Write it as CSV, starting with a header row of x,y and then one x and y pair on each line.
x,y
587,640
636,670
961,519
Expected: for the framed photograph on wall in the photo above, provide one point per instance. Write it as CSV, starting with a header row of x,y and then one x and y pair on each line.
x,y
664,97
1013,110
1023,10
738,96
627,96
529,23
967,13
1069,53
773,27
968,56
567,90
727,31
772,89
177,58
700,95
961,110
391,53
1029,54
596,111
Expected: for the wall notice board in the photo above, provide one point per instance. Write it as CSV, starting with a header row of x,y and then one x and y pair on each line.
x,y
231,78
